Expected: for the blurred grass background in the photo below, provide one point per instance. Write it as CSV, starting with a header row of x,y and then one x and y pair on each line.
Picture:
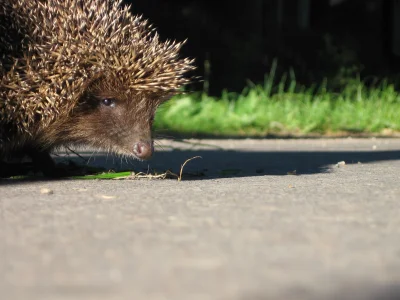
x,y
283,107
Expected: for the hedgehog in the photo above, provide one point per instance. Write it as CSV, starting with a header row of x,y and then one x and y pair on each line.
x,y
82,72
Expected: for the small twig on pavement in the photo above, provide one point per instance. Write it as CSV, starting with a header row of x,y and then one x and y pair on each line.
x,y
180,174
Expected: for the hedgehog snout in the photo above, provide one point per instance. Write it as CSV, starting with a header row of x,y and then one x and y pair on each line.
x,y
143,150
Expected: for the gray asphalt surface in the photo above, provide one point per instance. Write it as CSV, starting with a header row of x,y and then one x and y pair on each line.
x,y
241,228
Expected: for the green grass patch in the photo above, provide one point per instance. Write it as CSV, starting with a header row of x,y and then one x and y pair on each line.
x,y
103,176
285,108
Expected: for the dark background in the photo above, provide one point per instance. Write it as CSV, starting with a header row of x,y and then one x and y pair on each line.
x,y
237,41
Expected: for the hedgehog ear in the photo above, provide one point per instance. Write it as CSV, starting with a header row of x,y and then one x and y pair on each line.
x,y
89,90
95,82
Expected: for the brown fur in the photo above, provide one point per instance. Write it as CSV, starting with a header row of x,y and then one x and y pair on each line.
x,y
64,57
115,129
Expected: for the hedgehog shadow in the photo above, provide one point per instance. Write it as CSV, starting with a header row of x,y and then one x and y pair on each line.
x,y
224,164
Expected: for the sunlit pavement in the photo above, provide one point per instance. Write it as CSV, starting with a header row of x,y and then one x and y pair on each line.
x,y
251,219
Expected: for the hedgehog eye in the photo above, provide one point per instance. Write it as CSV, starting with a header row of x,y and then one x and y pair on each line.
x,y
108,102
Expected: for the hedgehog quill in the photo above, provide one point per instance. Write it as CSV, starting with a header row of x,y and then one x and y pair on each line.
x,y
81,72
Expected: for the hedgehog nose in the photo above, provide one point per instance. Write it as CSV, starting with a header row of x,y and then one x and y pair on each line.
x,y
143,150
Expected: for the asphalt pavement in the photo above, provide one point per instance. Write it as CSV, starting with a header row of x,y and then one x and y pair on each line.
x,y
252,219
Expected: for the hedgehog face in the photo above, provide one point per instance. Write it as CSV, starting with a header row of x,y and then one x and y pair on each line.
x,y
119,122
112,119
